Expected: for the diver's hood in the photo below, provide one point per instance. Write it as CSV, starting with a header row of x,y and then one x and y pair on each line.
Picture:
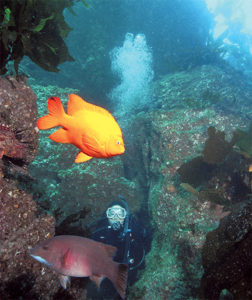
x,y
118,202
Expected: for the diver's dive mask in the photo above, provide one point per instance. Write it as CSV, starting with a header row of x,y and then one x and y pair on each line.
x,y
116,215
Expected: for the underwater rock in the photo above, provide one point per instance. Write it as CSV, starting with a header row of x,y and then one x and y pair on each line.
x,y
21,226
90,189
20,231
19,113
162,141
188,89
9,144
227,257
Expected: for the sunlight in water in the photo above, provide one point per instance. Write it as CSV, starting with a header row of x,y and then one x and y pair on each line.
x,y
229,12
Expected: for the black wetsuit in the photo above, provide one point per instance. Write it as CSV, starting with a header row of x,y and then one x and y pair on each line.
x,y
130,250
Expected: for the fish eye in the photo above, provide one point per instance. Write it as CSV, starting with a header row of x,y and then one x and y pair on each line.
x,y
45,247
118,143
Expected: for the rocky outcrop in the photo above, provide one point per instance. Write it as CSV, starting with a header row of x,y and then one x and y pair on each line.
x,y
174,134
227,257
21,227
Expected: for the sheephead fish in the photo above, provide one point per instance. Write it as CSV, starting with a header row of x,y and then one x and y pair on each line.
x,y
89,127
81,257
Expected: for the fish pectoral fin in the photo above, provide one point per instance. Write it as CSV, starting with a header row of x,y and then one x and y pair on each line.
x,y
65,258
60,136
82,157
97,279
92,144
65,281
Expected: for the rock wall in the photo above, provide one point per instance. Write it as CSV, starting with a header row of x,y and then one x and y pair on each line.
x,y
21,225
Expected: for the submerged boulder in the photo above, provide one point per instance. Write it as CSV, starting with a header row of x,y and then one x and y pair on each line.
x,y
227,257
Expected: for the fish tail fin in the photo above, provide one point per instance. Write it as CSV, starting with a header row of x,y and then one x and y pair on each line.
x,y
120,279
55,116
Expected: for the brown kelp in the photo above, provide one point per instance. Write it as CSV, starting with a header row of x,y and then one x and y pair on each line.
x,y
35,29
221,172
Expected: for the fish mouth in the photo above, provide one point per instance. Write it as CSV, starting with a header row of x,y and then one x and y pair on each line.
x,y
41,260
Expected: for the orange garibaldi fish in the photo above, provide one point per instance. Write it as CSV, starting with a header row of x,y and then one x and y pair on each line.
x,y
90,128
77,256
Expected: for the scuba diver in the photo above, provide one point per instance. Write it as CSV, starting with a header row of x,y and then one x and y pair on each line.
x,y
120,229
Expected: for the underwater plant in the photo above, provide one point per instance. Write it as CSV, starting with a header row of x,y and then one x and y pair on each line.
x,y
216,147
220,173
243,141
35,29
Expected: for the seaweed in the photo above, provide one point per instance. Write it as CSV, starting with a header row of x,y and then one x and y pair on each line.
x,y
216,147
34,28
243,140
220,175
196,171
215,195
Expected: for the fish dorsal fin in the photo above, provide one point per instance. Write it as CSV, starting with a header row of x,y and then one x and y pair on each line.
x,y
97,279
76,103
82,157
111,250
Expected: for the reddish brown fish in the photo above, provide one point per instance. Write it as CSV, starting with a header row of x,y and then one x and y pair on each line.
x,y
81,257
